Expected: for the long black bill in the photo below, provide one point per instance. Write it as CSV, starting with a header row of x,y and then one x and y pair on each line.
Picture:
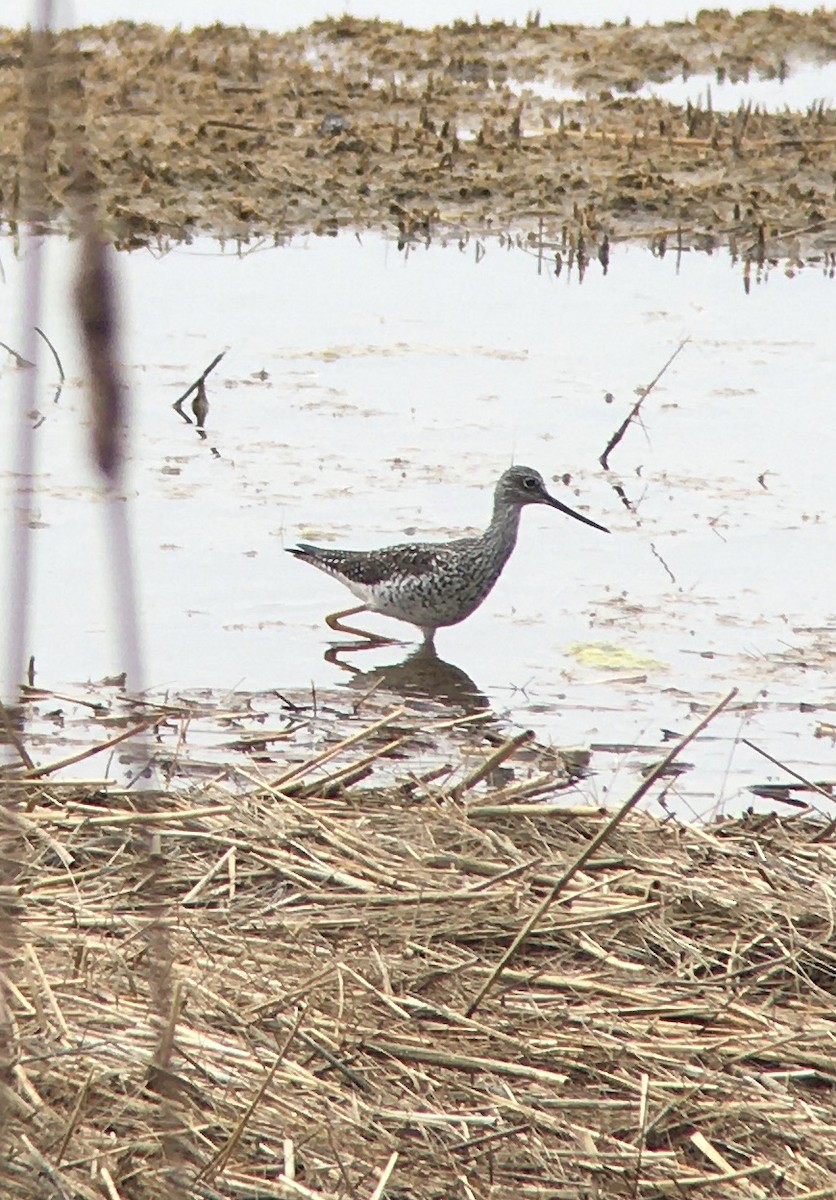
x,y
570,512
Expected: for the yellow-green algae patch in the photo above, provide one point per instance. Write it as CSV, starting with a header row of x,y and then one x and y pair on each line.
x,y
607,656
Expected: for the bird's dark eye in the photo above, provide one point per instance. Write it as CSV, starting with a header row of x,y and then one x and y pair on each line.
x,y
530,483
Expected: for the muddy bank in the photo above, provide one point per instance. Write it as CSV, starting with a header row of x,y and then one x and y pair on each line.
x,y
354,123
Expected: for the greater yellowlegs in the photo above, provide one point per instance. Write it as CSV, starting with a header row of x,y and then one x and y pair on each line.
x,y
430,584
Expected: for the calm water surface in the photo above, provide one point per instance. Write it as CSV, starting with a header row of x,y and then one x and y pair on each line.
x,y
369,395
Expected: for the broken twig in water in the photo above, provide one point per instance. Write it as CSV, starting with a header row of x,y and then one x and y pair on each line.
x,y
493,761
55,354
643,394
71,759
600,837
20,362
11,735
824,834
200,404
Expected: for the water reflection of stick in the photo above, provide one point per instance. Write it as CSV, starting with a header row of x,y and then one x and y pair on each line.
x,y
644,392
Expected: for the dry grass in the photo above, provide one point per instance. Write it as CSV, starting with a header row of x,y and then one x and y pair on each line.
x,y
363,124
259,990
259,980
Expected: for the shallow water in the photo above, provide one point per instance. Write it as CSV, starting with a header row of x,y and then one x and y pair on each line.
x,y
805,85
369,395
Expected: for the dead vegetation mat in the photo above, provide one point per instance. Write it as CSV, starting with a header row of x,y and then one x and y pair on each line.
x,y
368,124
271,994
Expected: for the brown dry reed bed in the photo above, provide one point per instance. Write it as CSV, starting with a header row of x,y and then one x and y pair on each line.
x,y
288,986
434,133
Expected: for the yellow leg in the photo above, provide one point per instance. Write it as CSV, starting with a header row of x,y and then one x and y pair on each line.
x,y
334,621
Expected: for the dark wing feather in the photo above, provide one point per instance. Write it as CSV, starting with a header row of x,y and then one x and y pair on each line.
x,y
369,567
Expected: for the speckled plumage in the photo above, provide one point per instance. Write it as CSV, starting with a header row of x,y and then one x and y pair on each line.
x,y
432,584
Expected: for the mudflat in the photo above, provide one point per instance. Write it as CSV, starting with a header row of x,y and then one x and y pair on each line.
x,y
352,123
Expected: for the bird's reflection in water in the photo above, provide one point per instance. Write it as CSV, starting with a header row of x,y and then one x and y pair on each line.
x,y
422,673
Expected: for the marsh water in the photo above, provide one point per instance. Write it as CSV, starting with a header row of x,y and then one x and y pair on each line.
x,y
371,393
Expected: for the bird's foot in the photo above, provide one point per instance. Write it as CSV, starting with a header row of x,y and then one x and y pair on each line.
x,y
370,640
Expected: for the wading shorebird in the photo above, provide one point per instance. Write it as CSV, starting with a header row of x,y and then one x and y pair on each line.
x,y
431,584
